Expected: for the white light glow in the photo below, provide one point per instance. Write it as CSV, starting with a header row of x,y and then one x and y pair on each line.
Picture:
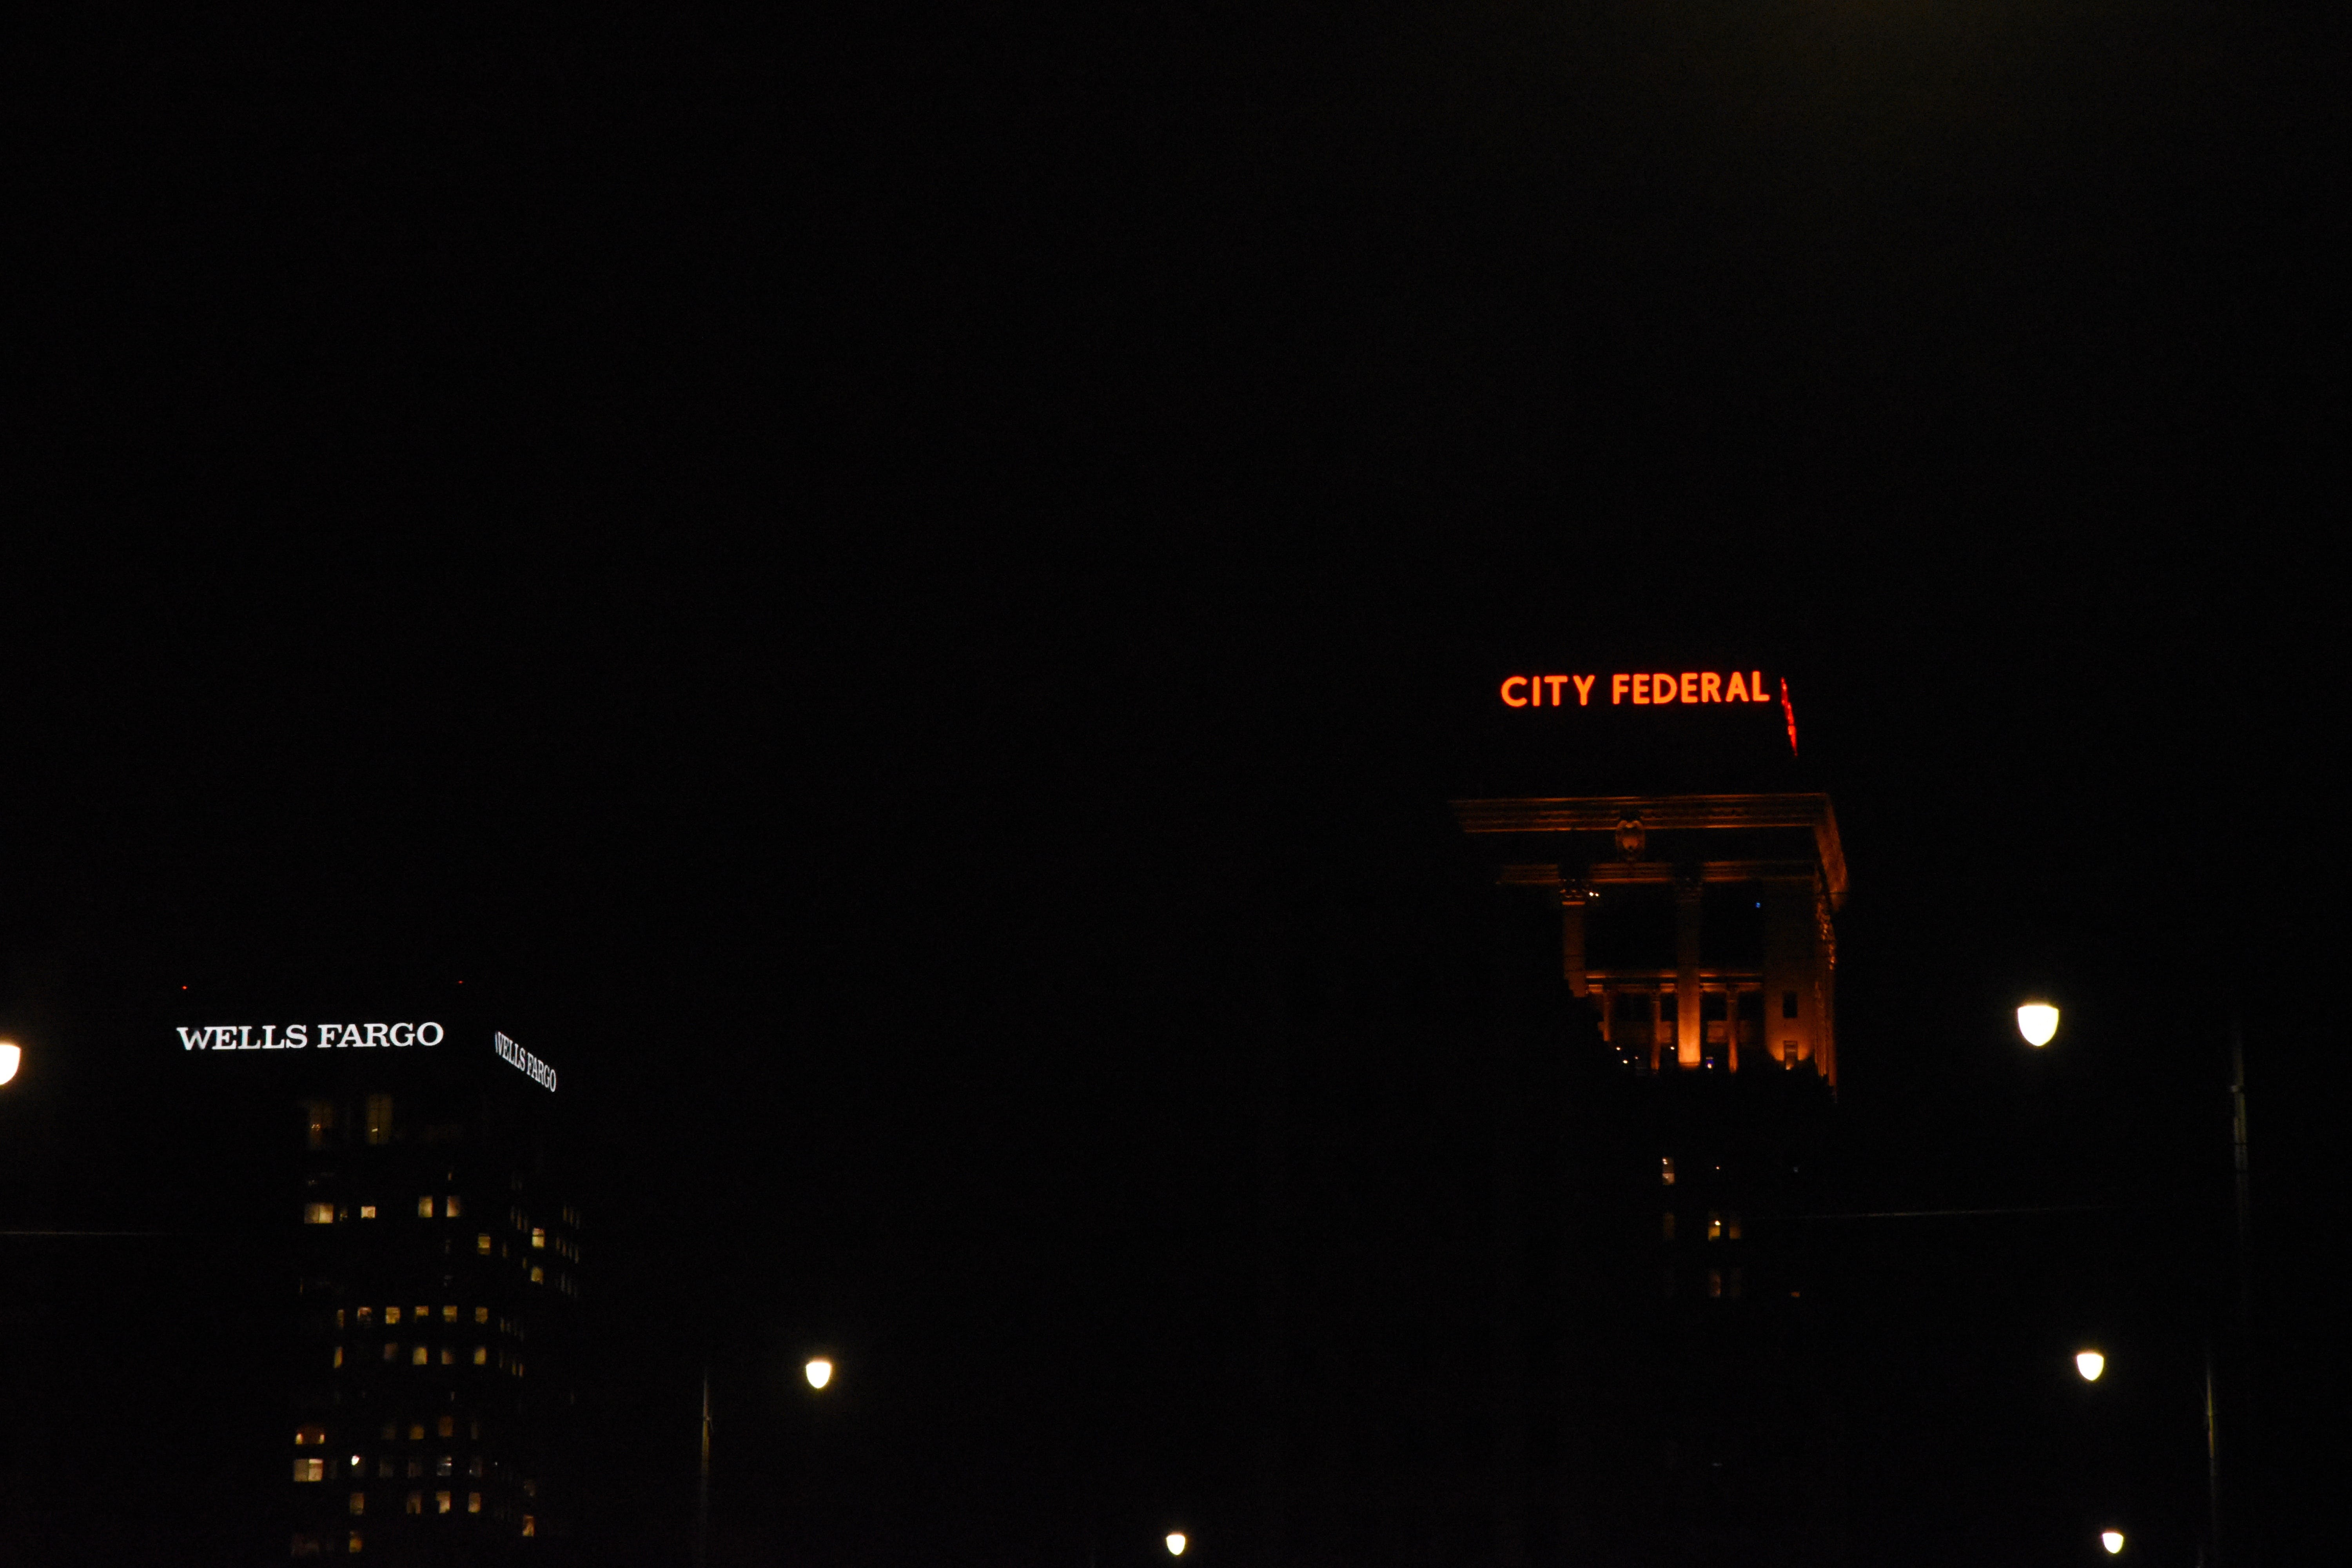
x,y
819,1372
2113,1540
1176,1543
2090,1364
2038,1021
12,1056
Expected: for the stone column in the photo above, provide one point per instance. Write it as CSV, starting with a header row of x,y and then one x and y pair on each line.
x,y
1571,933
1689,882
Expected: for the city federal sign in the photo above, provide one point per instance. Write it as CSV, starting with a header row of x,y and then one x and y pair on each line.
x,y
1652,688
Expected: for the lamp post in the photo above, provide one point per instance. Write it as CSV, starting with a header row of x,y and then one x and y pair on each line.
x,y
2037,1023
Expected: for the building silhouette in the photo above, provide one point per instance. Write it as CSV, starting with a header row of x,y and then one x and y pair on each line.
x,y
437,1259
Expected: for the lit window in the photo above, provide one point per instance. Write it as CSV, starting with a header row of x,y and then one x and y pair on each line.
x,y
322,1120
416,1431
474,1465
318,1214
359,1504
355,1544
482,1244
449,1355
1715,1281
530,1525
417,1357
446,1426
537,1236
1668,1223
390,1349
1731,1227
440,1503
359,1465
448,1314
424,1208
366,1315
538,1275
339,1317
305,1436
423,1314
310,1469
378,1119
1714,1225
481,1355
481,1314
473,1502
338,1355
391,1315
450,1206
1665,1169
367,1211
444,1466
414,1503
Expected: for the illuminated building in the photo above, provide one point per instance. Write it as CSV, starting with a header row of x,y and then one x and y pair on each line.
x,y
438,1274
1700,928
1697,942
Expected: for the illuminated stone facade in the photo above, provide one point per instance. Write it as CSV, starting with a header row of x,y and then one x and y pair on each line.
x,y
1700,927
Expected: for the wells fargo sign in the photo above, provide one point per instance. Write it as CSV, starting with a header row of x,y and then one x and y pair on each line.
x,y
1650,688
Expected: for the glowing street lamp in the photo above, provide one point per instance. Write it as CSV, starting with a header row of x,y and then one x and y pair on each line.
x,y
1176,1543
2038,1021
819,1372
12,1056
2113,1540
2090,1364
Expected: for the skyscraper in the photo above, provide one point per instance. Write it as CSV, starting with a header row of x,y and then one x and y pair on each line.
x,y
437,1265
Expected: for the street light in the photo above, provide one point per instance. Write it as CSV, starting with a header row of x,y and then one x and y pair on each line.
x,y
1176,1543
12,1056
2090,1364
819,1372
2038,1021
2113,1540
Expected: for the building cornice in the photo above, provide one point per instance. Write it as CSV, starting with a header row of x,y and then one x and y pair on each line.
x,y
1665,814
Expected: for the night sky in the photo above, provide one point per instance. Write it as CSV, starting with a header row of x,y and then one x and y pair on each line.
x,y
888,576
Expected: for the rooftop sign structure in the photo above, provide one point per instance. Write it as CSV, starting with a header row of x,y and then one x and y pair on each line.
x,y
522,1061
1652,688
300,1037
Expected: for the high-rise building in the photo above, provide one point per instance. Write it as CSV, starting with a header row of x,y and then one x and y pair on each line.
x,y
1697,946
437,1266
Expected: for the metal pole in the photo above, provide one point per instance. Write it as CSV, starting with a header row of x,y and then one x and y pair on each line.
x,y
702,1483
2246,1552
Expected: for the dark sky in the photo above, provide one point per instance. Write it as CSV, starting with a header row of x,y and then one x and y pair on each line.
x,y
863,563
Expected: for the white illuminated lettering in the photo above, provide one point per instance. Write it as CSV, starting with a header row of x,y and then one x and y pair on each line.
x,y
523,1061
378,1035
244,1038
354,1036
420,1034
404,1034
193,1039
269,1041
297,1037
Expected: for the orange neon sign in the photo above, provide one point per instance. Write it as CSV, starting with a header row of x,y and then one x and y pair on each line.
x,y
1644,688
